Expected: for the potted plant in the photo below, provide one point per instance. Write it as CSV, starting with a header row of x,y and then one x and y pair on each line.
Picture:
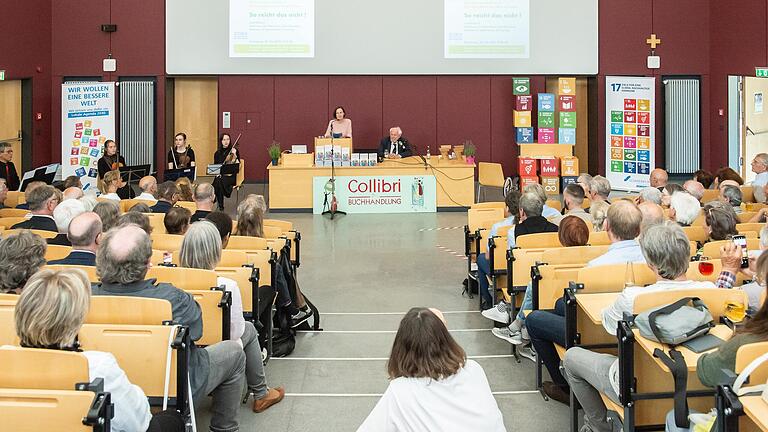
x,y
469,152
274,152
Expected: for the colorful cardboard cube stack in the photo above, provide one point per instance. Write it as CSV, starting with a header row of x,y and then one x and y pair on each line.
x,y
546,118
521,89
527,167
550,175
566,103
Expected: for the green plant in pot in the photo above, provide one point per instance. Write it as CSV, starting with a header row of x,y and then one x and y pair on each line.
x,y
469,151
274,152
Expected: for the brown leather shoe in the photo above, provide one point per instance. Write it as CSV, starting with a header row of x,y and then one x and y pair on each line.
x,y
273,396
555,392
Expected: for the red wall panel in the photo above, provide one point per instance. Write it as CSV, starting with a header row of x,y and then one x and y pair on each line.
x,y
79,45
464,112
138,45
503,148
361,98
410,102
301,108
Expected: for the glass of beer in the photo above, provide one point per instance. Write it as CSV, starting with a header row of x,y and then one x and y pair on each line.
x,y
706,268
735,309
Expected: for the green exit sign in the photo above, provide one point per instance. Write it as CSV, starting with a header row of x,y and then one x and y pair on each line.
x,y
761,72
2,75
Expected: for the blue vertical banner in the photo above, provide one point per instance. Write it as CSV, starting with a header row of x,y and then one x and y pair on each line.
x,y
630,127
87,122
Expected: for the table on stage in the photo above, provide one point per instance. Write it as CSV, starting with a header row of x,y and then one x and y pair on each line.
x,y
290,187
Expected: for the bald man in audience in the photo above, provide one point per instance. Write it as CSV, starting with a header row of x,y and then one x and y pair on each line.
x,y
148,186
85,235
204,198
694,188
73,192
623,226
42,201
659,178
652,214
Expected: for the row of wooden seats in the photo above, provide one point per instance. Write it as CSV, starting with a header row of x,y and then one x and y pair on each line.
x,y
747,194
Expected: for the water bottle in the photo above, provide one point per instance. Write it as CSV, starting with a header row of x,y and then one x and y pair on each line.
x,y
428,154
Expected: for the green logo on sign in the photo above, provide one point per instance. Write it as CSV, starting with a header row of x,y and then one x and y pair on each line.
x,y
617,116
617,166
761,72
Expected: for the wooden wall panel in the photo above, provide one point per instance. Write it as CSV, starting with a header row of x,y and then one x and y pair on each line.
x,y
10,117
195,108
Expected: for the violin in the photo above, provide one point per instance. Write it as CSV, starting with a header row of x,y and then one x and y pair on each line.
x,y
232,156
117,164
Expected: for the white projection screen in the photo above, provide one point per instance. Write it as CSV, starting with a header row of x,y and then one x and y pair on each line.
x,y
375,37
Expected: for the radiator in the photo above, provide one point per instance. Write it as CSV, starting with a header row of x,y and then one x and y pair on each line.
x,y
682,114
137,122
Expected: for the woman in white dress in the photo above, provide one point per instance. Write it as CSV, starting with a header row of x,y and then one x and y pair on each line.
x,y
433,386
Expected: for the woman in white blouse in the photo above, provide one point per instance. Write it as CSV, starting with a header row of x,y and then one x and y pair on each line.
x,y
201,248
111,183
434,387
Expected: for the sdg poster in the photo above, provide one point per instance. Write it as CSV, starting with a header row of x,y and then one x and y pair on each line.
x,y
87,121
630,129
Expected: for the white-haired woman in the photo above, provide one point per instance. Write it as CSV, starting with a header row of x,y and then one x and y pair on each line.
x,y
49,314
201,248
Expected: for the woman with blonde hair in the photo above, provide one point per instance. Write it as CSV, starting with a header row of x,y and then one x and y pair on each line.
x,y
201,248
250,216
49,314
599,211
110,184
185,189
433,386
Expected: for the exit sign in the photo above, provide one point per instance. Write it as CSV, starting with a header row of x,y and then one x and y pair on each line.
x,y
761,72
2,75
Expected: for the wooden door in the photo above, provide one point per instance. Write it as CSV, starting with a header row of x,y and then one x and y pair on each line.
x,y
755,126
10,118
196,103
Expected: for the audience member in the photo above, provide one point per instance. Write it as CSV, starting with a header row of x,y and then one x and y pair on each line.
x,y
148,186
623,226
599,189
122,262
584,180
30,187
250,217
546,211
684,208
89,202
573,198
3,193
72,181
659,178
136,218
108,211
201,249
42,202
760,168
204,199
85,235
511,210
652,214
223,223
140,208
21,255
63,215
167,196
756,287
705,178
72,192
719,220
727,173
530,219
185,189
433,387
731,195
695,188
667,192
667,250
176,221
573,231
49,315
7,168
599,210
110,184
649,194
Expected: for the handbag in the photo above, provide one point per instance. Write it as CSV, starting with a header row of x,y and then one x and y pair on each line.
x,y
675,323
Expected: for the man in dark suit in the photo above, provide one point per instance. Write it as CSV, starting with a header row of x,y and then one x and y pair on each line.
x,y
7,169
395,146
85,235
530,220
204,198
30,187
42,201
167,195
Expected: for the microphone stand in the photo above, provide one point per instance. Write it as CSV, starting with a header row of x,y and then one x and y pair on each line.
x,y
333,208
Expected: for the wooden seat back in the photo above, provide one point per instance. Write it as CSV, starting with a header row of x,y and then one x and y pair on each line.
x,y
599,238
523,260
158,257
272,232
710,195
42,233
42,369
57,252
7,322
712,249
540,240
745,217
756,227
554,279
746,354
477,216
489,204
747,194
611,278
714,298
127,204
696,233
13,212
573,255
490,174
128,310
241,275
166,242
90,271
187,279
213,311
14,198
189,205
233,258
246,243
156,222
45,410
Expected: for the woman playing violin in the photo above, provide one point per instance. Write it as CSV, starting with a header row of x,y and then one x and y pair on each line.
x,y
111,161
181,156
226,153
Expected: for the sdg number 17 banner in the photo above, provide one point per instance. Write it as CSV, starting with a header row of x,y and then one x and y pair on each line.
x,y
630,128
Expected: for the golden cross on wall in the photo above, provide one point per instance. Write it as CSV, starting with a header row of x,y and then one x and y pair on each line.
x,y
653,41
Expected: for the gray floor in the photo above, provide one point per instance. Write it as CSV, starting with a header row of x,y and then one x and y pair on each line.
x,y
363,272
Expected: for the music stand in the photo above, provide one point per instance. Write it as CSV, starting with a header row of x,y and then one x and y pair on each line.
x,y
44,174
229,169
133,174
175,174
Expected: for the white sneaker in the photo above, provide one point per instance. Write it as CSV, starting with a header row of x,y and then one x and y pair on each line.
x,y
527,352
505,334
499,313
